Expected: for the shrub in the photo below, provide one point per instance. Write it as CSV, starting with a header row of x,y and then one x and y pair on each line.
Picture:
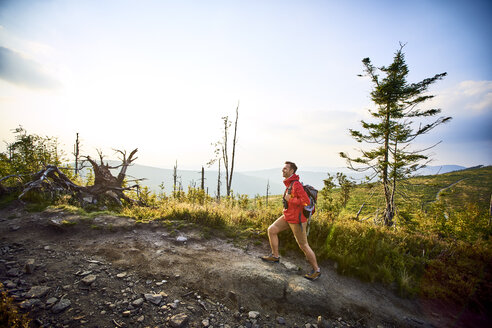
x,y
9,314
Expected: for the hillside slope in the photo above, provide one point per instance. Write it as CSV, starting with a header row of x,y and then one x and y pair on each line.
x,y
455,190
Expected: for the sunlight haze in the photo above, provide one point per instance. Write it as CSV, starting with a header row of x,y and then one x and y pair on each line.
x,y
159,75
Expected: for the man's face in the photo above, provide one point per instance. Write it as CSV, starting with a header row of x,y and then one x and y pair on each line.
x,y
287,171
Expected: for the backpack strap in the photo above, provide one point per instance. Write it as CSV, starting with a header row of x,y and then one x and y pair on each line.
x,y
289,189
300,218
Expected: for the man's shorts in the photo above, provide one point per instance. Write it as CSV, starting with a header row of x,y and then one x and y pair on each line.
x,y
299,234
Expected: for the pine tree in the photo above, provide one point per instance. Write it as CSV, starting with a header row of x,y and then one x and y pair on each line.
x,y
397,105
346,186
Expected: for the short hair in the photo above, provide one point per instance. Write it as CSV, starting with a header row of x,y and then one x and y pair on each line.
x,y
292,166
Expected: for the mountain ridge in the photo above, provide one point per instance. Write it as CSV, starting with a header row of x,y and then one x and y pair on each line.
x,y
251,183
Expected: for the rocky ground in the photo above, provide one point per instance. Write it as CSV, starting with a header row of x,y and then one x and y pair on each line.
x,y
70,271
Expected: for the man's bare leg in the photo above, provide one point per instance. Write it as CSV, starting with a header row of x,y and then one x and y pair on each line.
x,y
301,238
311,257
273,230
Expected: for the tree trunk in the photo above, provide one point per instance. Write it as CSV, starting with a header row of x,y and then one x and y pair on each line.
x,y
175,178
76,154
388,212
229,182
202,186
268,191
218,184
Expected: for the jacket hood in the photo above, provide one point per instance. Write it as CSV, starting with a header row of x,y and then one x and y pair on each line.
x,y
293,177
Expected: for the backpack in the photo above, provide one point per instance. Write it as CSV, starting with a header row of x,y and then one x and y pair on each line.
x,y
312,193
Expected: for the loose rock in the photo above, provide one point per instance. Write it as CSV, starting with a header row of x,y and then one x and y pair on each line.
x,y
138,302
61,305
153,298
37,292
29,304
253,314
50,301
29,266
13,272
10,284
179,320
281,321
89,280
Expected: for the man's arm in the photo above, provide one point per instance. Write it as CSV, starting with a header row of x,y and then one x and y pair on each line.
x,y
299,196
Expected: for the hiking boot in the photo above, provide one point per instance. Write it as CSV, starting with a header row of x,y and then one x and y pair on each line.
x,y
313,275
270,258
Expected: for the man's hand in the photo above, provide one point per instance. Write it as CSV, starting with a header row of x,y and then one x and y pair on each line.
x,y
287,197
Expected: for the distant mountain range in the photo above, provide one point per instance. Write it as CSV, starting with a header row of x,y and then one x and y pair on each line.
x,y
251,183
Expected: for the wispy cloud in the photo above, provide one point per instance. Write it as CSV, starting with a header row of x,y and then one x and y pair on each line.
x,y
470,105
25,72
466,98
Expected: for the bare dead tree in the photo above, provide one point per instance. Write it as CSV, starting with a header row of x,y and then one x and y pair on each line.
x,y
175,176
76,153
202,182
234,140
222,150
52,180
218,184
267,191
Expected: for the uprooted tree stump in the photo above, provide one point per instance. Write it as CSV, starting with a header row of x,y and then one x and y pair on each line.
x,y
52,181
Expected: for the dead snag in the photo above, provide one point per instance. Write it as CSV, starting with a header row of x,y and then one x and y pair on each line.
x,y
106,186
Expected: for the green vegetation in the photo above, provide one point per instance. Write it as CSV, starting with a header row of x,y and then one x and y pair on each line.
x,y
9,313
28,154
439,246
437,249
396,121
460,212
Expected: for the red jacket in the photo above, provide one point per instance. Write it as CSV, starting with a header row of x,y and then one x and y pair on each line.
x,y
298,200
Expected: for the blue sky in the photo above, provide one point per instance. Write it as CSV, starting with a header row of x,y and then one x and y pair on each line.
x,y
159,75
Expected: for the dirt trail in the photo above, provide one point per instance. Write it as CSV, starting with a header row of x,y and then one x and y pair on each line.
x,y
154,258
438,194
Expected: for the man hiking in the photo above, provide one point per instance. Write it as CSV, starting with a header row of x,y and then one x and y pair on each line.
x,y
294,199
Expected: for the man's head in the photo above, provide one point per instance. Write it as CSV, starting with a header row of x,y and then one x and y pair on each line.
x,y
289,169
